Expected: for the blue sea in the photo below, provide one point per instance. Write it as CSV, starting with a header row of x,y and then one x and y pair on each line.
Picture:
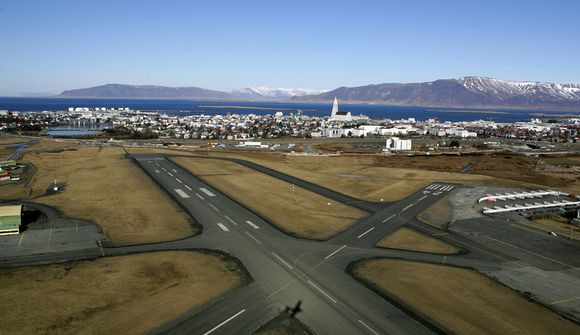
x,y
188,107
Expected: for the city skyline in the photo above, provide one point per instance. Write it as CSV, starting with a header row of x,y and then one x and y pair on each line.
x,y
225,46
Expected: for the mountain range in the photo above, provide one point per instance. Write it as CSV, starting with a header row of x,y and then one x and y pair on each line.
x,y
458,92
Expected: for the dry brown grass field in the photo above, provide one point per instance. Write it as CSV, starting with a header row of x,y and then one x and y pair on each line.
x,y
461,301
299,212
116,295
409,239
438,214
109,189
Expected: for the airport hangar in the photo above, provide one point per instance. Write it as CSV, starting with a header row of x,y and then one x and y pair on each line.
x,y
10,219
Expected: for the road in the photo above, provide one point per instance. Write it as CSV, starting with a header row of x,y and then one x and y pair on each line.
x,y
286,269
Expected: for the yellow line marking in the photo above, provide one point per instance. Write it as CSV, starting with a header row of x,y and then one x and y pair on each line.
x,y
530,252
564,300
440,234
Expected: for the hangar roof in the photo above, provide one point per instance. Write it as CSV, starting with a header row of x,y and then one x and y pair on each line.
x,y
11,210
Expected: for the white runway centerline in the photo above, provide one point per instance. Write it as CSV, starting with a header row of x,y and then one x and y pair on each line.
x,y
206,191
157,171
223,323
390,217
366,232
187,187
334,252
367,327
255,239
171,174
404,209
321,291
422,198
179,181
199,196
214,207
252,225
222,226
232,221
181,193
282,260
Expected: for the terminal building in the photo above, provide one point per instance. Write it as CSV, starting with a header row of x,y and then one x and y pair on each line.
x,y
10,219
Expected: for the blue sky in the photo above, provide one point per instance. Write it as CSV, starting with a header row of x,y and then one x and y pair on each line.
x,y
48,46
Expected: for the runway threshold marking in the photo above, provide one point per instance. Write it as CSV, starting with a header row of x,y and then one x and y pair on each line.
x,y
368,327
179,181
232,221
390,217
282,260
564,300
187,187
366,232
223,323
321,291
181,193
252,224
530,252
334,252
255,239
214,207
404,209
206,191
199,196
223,227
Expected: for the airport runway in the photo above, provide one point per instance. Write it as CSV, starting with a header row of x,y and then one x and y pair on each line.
x,y
285,269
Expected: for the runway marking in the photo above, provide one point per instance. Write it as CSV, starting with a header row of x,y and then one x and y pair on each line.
x,y
187,187
214,207
169,173
20,240
422,198
102,251
321,291
366,232
252,225
223,323
232,221
282,260
181,193
404,209
255,239
199,196
452,187
164,169
157,171
564,300
174,170
206,191
179,181
444,259
221,225
367,327
334,252
530,252
390,217
49,235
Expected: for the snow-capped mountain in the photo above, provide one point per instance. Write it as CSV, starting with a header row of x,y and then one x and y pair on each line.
x,y
274,93
462,92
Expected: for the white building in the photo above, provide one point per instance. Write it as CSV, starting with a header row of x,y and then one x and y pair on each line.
x,y
339,116
397,144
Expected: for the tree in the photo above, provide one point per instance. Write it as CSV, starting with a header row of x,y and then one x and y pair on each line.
x,y
454,143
